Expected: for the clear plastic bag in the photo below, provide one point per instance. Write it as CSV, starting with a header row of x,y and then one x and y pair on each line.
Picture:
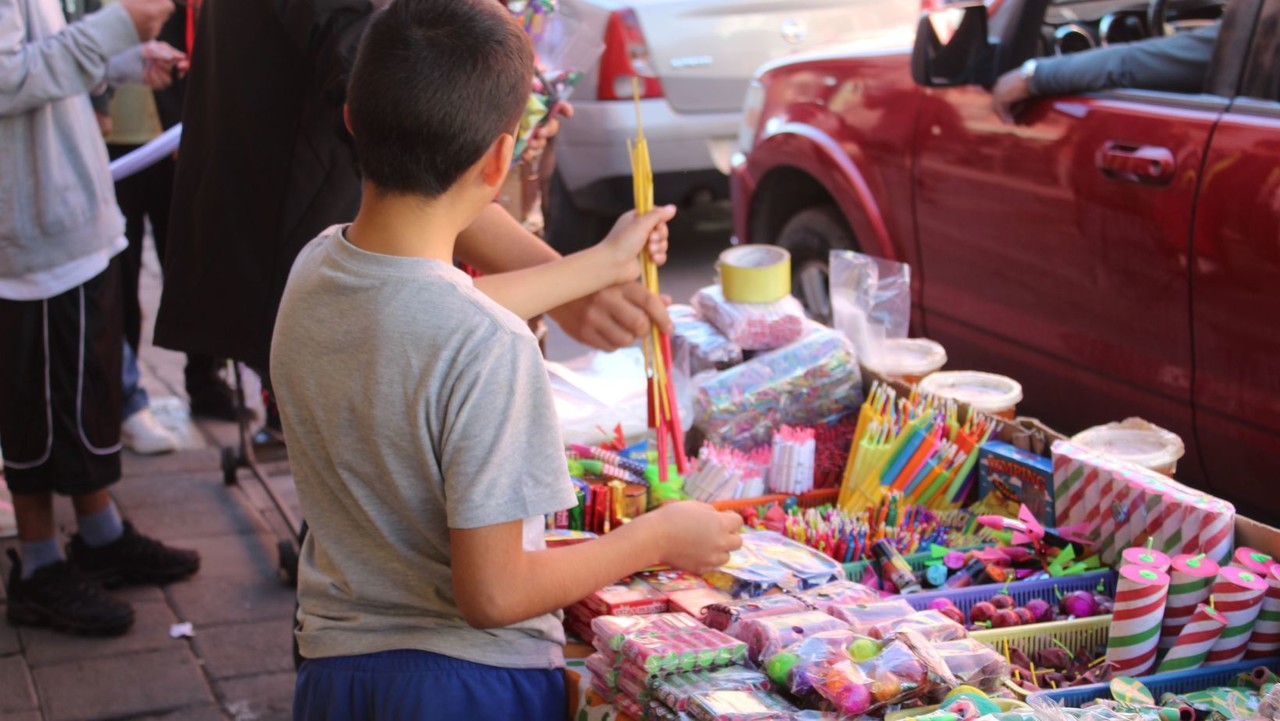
x,y
753,326
796,666
697,346
768,562
931,625
974,663
863,617
870,299
723,616
839,593
814,381
675,691
906,668
767,635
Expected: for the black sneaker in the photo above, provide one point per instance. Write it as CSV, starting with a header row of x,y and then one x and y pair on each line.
x,y
57,596
131,559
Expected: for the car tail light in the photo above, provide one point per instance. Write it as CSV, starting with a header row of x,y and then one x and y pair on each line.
x,y
751,108
626,56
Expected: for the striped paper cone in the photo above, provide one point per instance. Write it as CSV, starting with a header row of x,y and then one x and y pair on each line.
x,y
1220,532
1265,640
1252,559
1135,623
1146,558
1237,594
1190,578
1195,640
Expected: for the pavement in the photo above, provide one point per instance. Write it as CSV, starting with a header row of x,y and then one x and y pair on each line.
x,y
237,663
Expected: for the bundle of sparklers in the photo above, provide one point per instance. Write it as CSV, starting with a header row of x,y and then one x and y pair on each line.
x,y
664,415
915,446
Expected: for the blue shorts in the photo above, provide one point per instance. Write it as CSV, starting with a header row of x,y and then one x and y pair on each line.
x,y
413,685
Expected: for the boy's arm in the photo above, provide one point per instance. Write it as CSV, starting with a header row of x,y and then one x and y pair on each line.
x,y
535,290
497,583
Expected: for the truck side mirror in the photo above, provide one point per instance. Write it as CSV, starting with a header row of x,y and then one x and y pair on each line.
x,y
953,48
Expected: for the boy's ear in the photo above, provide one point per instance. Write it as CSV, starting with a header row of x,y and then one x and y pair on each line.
x,y
346,117
497,161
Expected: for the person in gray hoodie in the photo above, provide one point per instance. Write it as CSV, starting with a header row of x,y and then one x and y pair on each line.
x,y
60,312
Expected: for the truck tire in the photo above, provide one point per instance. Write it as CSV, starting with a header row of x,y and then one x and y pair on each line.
x,y
568,227
810,236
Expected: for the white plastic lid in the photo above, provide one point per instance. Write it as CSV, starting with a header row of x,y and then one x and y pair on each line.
x,y
907,356
984,392
1136,441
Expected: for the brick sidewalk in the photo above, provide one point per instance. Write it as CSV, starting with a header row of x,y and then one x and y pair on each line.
x,y
238,665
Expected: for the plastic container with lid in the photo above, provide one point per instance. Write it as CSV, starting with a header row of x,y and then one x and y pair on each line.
x,y
1137,441
906,359
988,393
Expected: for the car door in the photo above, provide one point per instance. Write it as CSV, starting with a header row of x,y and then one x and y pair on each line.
x,y
1236,286
1055,251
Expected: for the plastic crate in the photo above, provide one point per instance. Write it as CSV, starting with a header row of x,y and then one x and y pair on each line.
x,y
1004,704
1088,632
812,499
1021,591
917,561
1162,683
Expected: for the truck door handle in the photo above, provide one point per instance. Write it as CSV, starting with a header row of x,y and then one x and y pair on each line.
x,y
1144,164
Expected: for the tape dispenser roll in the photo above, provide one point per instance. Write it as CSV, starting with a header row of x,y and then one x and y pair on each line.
x,y
755,274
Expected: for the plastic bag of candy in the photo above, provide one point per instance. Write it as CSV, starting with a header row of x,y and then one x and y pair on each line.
x,y
675,691
767,635
697,346
813,381
839,593
905,668
930,624
683,651
723,616
862,617
768,561
752,326
974,663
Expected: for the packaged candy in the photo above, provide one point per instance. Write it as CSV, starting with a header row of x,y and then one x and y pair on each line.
x,y
669,581
740,706
904,669
682,651
752,326
632,597
811,382
695,602
603,671
795,667
675,691
634,686
629,706
974,663
723,616
613,630
930,624
768,560
698,346
768,635
862,617
839,593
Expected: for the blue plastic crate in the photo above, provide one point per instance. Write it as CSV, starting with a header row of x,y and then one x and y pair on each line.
x,y
1162,683
1021,591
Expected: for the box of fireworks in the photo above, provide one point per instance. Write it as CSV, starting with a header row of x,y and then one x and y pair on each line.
x,y
1258,535
1009,477
630,597
1178,683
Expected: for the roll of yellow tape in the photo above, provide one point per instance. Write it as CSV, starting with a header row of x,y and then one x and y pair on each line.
x,y
755,273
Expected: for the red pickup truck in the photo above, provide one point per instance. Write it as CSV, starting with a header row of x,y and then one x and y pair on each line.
x,y
1116,252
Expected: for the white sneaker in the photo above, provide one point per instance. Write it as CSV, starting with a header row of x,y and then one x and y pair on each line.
x,y
143,434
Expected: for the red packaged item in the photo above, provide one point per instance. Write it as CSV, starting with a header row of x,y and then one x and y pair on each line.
x,y
632,597
614,630
695,601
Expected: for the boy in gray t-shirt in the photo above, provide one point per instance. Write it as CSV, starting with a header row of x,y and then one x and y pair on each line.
x,y
419,418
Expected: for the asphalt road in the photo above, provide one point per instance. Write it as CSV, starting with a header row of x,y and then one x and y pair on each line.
x,y
698,235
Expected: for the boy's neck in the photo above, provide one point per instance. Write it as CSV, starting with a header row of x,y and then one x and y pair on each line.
x,y
405,225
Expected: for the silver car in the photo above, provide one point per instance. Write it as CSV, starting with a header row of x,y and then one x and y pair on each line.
x,y
699,56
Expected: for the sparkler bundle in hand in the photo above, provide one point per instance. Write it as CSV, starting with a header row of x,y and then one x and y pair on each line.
x,y
664,415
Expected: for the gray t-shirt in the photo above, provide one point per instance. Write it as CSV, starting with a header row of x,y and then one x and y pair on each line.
x,y
412,404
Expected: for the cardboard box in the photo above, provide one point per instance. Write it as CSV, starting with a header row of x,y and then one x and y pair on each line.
x,y
1009,477
631,597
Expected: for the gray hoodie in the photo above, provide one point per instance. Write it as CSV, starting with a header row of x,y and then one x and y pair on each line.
x,y
57,202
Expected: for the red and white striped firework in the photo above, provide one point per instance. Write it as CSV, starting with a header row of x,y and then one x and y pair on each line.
x,y
1209,527
1195,640
1135,621
1073,473
1190,578
1113,489
1252,559
1146,558
1237,594
1265,640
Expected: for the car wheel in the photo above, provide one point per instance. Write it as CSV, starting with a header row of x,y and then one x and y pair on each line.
x,y
570,228
810,236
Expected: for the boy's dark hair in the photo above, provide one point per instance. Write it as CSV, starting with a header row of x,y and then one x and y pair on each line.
x,y
434,83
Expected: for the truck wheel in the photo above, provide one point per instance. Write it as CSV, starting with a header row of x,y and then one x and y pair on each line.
x,y
568,227
810,236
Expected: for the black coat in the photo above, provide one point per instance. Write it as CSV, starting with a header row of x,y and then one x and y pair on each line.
x,y
264,166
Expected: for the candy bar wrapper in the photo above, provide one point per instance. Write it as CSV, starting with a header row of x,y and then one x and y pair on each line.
x,y
675,691
839,593
633,597
739,705
931,625
974,663
752,326
697,346
683,651
613,630
767,635
723,616
863,617
696,601
814,381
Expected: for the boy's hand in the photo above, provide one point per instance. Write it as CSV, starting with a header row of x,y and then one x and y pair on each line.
x,y
613,318
698,538
633,233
